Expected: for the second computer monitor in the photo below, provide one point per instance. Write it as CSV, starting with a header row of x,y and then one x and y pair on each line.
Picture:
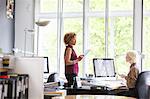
x,y
104,67
46,65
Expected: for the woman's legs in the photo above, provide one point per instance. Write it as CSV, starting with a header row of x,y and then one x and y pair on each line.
x,y
71,79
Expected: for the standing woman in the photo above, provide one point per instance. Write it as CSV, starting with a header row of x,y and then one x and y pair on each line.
x,y
71,59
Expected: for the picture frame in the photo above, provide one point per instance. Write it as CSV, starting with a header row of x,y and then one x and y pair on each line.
x,y
10,9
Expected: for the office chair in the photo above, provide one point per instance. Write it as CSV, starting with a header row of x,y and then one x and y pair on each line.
x,y
52,77
143,85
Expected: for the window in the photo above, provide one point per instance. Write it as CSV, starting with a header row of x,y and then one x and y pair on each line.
x,y
120,36
146,35
96,41
72,6
89,23
96,5
48,6
48,43
75,25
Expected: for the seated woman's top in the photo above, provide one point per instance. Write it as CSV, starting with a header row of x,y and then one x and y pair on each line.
x,y
132,76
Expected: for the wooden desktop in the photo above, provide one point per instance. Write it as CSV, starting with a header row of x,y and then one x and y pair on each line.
x,y
50,94
56,93
92,97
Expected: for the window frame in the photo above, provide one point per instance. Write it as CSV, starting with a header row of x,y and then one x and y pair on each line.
x,y
137,26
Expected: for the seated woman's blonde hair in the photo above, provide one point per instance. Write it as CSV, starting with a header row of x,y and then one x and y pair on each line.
x,y
132,55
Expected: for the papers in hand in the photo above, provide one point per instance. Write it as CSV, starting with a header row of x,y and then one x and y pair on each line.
x,y
86,52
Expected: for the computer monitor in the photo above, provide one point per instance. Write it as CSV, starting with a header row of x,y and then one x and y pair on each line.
x,y
46,65
104,67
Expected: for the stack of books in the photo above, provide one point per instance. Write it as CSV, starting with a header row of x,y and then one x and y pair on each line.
x,y
51,86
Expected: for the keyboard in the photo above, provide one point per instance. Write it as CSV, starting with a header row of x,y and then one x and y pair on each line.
x,y
105,78
104,84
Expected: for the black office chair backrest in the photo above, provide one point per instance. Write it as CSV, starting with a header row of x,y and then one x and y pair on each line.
x,y
142,85
52,77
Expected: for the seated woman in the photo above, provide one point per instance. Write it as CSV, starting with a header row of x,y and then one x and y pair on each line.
x,y
132,75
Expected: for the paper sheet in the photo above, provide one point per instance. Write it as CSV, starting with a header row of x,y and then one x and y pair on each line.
x,y
86,52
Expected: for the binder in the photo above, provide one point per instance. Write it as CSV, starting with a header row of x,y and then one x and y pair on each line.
x,y
1,89
24,79
5,88
15,87
9,89
27,86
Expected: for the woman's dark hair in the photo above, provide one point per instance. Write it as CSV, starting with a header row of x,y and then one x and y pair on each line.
x,y
68,37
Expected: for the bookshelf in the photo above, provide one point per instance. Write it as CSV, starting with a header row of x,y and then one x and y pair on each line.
x,y
12,84
7,63
33,66
4,69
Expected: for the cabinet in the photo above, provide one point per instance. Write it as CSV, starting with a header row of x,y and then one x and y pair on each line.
x,y
33,66
7,63
12,85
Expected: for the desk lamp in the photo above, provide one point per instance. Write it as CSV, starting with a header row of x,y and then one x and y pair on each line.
x,y
25,40
40,24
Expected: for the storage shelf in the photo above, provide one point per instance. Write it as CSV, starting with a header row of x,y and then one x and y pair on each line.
x,y
4,69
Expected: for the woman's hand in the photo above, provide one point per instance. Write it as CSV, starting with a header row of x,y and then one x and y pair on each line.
x,y
80,57
122,75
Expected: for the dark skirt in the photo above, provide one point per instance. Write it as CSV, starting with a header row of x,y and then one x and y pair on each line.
x,y
71,78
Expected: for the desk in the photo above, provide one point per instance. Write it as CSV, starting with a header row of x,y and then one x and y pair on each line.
x,y
106,88
82,91
49,95
93,97
59,92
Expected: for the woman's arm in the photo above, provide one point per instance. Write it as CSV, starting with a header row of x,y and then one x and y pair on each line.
x,y
68,60
132,75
